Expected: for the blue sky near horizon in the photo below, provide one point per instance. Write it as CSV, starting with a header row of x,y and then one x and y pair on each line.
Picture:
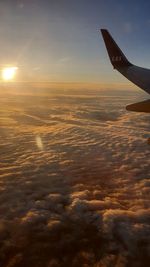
x,y
59,40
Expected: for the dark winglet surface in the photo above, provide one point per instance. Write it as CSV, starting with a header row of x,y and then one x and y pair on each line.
x,y
116,56
143,106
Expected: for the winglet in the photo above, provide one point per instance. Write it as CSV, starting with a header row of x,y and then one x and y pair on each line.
x,y
116,56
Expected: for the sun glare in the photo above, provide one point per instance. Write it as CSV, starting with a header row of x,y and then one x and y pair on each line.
x,y
8,73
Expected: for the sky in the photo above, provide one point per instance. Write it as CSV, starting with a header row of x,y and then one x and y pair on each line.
x,y
59,40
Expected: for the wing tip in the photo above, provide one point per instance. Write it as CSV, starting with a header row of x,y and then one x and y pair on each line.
x,y
116,56
103,30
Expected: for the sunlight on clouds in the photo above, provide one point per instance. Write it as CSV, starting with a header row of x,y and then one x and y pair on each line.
x,y
39,142
67,179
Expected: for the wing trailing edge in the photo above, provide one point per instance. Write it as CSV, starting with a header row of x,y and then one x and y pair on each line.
x,y
143,106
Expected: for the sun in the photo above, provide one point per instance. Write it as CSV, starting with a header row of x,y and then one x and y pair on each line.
x,y
8,73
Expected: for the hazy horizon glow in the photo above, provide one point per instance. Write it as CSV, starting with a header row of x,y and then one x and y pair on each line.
x,y
25,87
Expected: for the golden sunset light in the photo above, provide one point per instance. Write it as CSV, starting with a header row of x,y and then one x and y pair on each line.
x,y
9,73
74,133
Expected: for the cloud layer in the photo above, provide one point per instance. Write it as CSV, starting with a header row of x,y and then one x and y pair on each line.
x,y
74,187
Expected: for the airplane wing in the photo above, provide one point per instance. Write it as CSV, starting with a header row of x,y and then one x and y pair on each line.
x,y
137,75
143,106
